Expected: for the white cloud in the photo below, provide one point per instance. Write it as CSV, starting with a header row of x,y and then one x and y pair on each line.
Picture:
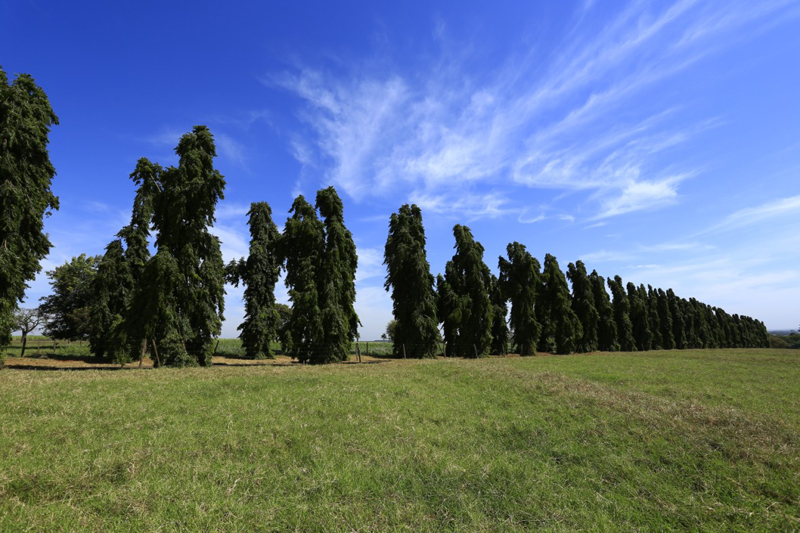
x,y
754,215
541,122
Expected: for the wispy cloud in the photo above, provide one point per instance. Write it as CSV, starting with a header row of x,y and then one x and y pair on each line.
x,y
541,122
754,215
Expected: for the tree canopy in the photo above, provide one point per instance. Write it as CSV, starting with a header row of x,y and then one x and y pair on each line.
x,y
26,174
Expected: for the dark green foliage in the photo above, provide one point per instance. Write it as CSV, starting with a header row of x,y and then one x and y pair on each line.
x,y
583,306
68,309
627,343
607,325
112,292
464,303
284,317
184,282
653,317
26,174
303,245
640,321
562,329
519,279
391,330
259,273
408,276
678,323
337,290
665,321
499,325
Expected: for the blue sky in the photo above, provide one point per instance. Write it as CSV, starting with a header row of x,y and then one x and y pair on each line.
x,y
659,141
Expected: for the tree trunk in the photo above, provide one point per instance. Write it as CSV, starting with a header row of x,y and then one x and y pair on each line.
x,y
24,343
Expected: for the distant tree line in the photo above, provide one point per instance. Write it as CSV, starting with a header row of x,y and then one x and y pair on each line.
x,y
543,313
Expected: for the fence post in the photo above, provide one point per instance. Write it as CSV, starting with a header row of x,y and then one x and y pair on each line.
x,y
367,352
476,351
444,349
358,352
404,350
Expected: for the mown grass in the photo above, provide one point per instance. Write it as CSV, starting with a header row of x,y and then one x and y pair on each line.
x,y
663,440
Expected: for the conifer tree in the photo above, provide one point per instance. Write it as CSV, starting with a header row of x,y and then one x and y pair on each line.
x,y
337,289
112,290
665,321
259,274
303,246
499,313
411,283
519,278
607,325
183,284
26,174
465,304
639,319
678,324
563,325
621,315
652,314
583,305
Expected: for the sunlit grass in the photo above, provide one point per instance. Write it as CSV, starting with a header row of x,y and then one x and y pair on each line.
x,y
682,439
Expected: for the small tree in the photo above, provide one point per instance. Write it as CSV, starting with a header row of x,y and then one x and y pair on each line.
x,y
391,331
68,309
25,321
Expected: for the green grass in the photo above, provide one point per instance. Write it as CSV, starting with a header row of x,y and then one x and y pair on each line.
x,y
662,440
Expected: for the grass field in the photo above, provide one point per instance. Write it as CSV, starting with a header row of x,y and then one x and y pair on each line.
x,y
658,440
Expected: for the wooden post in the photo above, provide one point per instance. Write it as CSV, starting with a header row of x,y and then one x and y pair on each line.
x,y
444,349
404,351
476,351
367,352
215,348
358,352
155,350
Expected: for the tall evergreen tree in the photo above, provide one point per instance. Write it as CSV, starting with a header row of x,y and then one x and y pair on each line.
x,y
499,313
519,278
112,291
583,305
652,314
466,306
639,319
188,264
563,325
259,274
678,324
26,174
607,325
627,343
303,246
337,279
665,321
408,276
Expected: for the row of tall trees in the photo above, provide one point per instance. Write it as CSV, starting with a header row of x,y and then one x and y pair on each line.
x,y
319,257
545,313
171,302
